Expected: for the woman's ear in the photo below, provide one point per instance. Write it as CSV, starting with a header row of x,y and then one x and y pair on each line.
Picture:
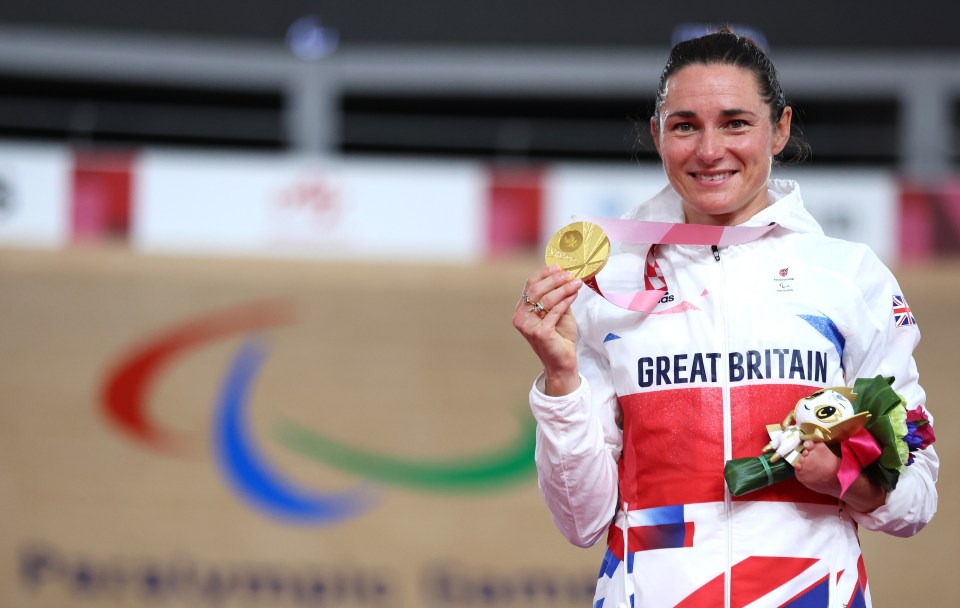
x,y
781,131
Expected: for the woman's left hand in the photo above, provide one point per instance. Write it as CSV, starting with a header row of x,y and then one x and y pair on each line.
x,y
817,468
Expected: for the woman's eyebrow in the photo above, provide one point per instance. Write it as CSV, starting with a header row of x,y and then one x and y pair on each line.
x,y
736,111
726,112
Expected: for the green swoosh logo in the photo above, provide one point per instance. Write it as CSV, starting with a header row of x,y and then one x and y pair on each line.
x,y
509,464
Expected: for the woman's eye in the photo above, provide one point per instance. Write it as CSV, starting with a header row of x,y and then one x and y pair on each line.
x,y
683,127
738,124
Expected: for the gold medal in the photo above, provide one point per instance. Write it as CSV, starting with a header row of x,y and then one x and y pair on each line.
x,y
580,248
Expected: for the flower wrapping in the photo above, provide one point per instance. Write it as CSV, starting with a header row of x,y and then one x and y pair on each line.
x,y
748,474
896,432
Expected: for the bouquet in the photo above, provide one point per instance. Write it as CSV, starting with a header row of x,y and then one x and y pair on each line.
x,y
869,423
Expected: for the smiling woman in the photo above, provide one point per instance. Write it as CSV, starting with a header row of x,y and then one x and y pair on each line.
x,y
715,138
721,117
638,412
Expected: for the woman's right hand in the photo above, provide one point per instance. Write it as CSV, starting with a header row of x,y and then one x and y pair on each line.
x,y
553,336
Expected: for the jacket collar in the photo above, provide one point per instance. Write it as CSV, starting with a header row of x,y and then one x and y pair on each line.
x,y
785,209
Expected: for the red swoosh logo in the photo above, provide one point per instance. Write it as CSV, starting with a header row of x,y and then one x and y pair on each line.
x,y
124,395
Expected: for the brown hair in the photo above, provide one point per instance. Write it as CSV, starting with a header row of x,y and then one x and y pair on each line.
x,y
726,47
729,48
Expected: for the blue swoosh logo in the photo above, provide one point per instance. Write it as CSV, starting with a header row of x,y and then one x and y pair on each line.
x,y
251,474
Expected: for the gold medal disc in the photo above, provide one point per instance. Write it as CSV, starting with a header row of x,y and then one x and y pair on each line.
x,y
580,248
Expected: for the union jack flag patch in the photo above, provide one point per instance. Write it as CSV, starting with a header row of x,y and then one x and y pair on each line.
x,y
902,315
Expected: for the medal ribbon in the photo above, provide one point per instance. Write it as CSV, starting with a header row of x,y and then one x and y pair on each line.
x,y
663,233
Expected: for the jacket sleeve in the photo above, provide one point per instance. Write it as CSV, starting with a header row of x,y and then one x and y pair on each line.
x,y
578,445
881,345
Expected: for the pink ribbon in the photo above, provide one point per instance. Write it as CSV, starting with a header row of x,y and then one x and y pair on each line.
x,y
668,233
855,454
665,233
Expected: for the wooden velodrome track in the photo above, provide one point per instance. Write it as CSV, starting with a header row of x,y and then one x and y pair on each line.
x,y
397,336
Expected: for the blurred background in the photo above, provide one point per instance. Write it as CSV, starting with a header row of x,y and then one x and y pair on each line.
x,y
258,260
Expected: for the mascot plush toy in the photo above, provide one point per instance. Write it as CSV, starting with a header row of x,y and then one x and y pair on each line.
x,y
827,415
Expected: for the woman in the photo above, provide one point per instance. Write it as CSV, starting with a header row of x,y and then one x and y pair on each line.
x,y
637,413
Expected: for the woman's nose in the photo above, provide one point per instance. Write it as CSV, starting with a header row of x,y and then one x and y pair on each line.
x,y
710,146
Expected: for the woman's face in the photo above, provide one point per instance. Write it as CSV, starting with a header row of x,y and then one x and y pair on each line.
x,y
717,142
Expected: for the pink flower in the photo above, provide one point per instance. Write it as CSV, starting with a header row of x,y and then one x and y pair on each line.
x,y
920,432
924,429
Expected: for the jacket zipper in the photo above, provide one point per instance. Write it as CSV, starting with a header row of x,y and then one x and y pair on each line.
x,y
727,447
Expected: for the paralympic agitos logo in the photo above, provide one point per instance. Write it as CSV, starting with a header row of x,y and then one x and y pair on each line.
x,y
125,399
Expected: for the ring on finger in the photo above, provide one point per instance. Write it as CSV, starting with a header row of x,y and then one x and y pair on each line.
x,y
539,310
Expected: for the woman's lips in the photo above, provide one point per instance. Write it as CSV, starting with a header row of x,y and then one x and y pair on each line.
x,y
713,177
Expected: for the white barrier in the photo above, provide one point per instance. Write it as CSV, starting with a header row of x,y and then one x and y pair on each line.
x,y
296,207
292,206
34,195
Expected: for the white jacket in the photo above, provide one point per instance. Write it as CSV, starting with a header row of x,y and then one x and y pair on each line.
x,y
667,398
